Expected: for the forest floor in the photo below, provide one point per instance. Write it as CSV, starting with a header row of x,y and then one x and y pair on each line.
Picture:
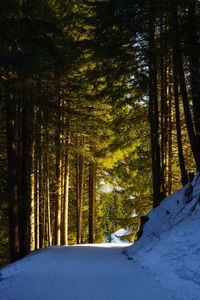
x,y
98,272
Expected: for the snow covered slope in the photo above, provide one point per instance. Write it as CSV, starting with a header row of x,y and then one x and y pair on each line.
x,y
170,245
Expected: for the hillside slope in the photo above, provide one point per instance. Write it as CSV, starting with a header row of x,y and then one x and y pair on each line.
x,y
170,244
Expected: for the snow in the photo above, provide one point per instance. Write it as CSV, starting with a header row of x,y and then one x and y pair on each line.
x,y
115,237
79,273
170,245
164,264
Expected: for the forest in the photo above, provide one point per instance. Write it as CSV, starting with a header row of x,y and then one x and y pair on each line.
x,y
100,116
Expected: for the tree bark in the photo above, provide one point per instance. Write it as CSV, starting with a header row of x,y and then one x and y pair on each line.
x,y
153,112
92,201
66,193
40,181
194,64
184,177
178,57
37,181
12,173
32,205
58,206
49,231
26,165
79,194
170,130
163,108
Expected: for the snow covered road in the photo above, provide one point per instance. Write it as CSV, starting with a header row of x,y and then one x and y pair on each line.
x,y
98,272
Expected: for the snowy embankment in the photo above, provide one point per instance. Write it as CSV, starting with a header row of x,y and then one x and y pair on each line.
x,y
170,245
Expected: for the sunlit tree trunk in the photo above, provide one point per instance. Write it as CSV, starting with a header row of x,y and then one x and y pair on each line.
x,y
32,205
92,201
79,194
40,181
37,185
58,206
66,198
47,187
59,167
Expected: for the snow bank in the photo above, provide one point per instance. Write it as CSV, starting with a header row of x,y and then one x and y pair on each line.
x,y
170,244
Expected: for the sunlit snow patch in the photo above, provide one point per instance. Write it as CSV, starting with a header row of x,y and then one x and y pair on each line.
x,y
117,235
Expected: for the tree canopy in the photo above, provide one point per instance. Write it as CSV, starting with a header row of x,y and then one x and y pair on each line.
x,y
93,93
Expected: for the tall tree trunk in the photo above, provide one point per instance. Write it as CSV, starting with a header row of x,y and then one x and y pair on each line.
x,y
194,62
153,112
80,190
184,178
170,153
37,211
164,136
59,163
49,231
12,173
163,107
40,181
78,216
183,89
44,214
92,201
32,205
37,181
26,165
66,193
58,193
